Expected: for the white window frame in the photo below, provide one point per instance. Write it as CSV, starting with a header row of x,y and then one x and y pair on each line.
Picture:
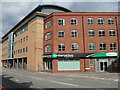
x,y
112,33
61,35
101,21
112,46
91,34
61,49
75,33
76,48
74,21
48,36
48,48
62,21
48,24
91,46
90,21
102,48
101,34
110,21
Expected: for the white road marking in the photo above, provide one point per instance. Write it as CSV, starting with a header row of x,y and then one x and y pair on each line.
x,y
6,76
63,83
17,80
105,83
34,77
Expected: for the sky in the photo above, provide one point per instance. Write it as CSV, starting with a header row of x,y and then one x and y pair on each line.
x,y
12,11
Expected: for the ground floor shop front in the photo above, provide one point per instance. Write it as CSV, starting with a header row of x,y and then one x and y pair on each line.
x,y
70,64
17,63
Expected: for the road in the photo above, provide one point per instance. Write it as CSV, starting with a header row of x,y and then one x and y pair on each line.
x,y
29,79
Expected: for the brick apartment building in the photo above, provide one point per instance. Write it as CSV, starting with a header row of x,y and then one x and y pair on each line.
x,y
54,39
81,42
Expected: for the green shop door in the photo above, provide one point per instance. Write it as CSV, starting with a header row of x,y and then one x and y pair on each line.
x,y
69,64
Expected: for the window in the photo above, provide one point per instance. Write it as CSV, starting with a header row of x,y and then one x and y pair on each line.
x,y
48,48
91,62
26,38
16,51
48,36
73,21
90,21
110,21
112,46
74,33
61,47
91,33
61,34
115,62
23,49
14,43
26,49
48,24
102,46
61,21
21,30
20,50
111,32
91,46
100,21
21,40
74,47
101,33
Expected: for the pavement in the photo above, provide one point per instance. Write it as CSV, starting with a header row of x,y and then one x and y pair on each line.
x,y
12,78
114,76
93,75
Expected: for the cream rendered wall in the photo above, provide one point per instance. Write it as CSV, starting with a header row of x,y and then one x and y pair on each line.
x,y
5,51
35,45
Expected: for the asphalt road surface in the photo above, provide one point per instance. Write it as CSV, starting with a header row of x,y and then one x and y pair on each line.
x,y
43,80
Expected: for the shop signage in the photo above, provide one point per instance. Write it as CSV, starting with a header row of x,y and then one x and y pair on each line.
x,y
87,68
62,55
67,55
112,54
81,55
105,54
46,56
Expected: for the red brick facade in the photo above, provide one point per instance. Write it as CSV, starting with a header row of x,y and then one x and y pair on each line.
x,y
82,40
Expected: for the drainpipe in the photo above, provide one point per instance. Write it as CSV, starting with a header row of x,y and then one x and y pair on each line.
x,y
83,41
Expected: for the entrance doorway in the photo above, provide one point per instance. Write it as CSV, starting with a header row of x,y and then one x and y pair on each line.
x,y
103,66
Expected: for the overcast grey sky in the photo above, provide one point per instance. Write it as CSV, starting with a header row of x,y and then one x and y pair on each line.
x,y
12,12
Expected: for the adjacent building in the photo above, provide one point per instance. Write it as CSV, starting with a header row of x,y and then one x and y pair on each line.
x,y
22,46
81,42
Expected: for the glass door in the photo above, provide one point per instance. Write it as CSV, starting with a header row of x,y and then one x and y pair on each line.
x,y
103,66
